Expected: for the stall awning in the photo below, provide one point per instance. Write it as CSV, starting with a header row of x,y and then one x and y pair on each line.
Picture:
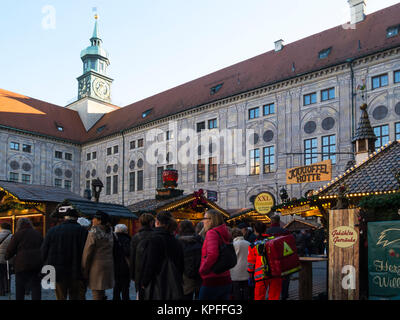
x,y
297,224
89,208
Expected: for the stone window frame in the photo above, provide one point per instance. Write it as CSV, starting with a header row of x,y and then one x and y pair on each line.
x,y
13,177
14,145
254,113
310,96
254,157
396,73
271,159
379,77
382,137
328,91
312,156
397,130
328,145
268,107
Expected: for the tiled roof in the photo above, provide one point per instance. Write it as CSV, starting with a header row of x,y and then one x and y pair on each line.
x,y
297,224
35,116
89,208
364,129
376,174
294,59
38,193
151,205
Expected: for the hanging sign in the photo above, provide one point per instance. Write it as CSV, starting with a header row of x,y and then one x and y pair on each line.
x,y
263,202
343,236
321,171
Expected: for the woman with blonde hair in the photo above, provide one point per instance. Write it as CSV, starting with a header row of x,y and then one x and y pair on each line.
x,y
214,286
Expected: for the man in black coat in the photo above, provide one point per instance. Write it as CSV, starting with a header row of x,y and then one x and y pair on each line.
x,y
163,262
146,220
63,249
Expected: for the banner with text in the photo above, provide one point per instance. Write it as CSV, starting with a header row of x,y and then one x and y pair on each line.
x,y
320,171
384,260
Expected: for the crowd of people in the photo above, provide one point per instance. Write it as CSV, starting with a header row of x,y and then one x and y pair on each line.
x,y
164,259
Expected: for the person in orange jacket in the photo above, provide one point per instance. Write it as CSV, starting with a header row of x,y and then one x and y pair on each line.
x,y
257,265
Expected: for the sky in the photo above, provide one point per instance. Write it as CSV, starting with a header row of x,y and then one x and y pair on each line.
x,y
153,45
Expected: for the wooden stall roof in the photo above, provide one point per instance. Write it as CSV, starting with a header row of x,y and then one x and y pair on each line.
x,y
242,213
37,193
157,205
89,208
297,224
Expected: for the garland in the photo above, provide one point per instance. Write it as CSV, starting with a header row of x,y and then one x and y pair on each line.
x,y
16,206
380,208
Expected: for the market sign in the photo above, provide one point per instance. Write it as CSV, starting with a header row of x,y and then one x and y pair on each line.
x,y
384,260
295,210
343,236
264,202
212,195
320,171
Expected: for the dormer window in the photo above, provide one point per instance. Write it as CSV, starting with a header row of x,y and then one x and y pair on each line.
x,y
59,127
146,113
215,89
100,129
324,53
392,31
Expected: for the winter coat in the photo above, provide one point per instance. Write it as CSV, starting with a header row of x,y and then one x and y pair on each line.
x,y
189,245
239,272
158,248
210,253
98,259
5,238
25,246
136,258
121,266
63,249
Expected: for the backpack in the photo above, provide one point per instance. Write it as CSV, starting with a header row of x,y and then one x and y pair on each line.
x,y
192,259
227,258
279,256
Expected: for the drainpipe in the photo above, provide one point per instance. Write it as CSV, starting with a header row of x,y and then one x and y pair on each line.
x,y
123,168
350,61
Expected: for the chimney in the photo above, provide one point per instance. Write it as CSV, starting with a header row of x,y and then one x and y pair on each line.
x,y
357,10
278,45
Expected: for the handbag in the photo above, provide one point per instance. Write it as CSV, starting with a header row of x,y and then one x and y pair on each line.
x,y
227,258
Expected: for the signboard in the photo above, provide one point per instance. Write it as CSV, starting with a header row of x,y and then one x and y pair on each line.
x,y
212,195
263,202
384,260
343,236
295,210
321,171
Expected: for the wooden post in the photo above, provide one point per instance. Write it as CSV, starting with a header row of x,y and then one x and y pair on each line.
x,y
343,255
305,281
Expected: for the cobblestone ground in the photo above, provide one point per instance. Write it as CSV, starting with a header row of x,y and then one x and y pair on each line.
x,y
319,286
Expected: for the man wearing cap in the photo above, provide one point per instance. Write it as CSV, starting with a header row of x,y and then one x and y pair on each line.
x,y
247,232
63,248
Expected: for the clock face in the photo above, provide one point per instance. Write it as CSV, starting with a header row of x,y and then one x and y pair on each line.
x,y
101,88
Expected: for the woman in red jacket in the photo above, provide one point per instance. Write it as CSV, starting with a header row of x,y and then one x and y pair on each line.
x,y
214,286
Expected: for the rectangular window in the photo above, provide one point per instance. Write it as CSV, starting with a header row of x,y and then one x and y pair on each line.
x,y
200,126
132,181
170,166
269,159
58,155
109,151
254,113
115,149
26,178
380,81
94,155
328,94
159,177
27,148
140,180
397,130
396,76
68,156
115,184
329,148
14,146
88,184
310,98
254,161
212,169
14,177
108,186
269,109
88,156
201,170
67,184
310,151
382,134
169,135
132,144
212,124
58,183
140,143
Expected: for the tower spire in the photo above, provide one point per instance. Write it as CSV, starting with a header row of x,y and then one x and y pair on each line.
x,y
95,39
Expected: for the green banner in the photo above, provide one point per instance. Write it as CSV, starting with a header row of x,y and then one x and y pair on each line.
x,y
384,260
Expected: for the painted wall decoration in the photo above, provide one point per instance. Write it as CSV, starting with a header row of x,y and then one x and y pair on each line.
x,y
384,260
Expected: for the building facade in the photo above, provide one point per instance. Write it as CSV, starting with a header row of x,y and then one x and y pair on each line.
x,y
293,106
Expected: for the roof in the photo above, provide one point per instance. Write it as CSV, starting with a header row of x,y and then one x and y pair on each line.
x,y
368,37
297,224
377,174
36,116
37,193
151,205
89,208
364,129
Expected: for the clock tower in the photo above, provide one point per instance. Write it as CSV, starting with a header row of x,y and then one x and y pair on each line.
x,y
94,82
